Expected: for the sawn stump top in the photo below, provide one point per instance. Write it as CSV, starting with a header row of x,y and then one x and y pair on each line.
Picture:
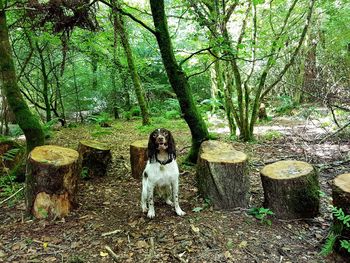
x,y
140,143
95,144
287,169
52,154
343,182
220,152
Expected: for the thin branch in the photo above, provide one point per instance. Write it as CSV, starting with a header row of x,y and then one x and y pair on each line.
x,y
117,9
195,53
205,69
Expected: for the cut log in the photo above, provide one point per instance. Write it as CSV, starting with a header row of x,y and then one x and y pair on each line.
x,y
291,189
341,199
222,175
95,157
51,181
138,157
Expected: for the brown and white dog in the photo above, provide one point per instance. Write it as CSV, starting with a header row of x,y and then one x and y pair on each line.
x,y
161,172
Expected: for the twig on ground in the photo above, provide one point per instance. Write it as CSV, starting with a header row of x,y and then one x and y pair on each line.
x,y
256,259
111,252
11,196
49,244
111,232
336,132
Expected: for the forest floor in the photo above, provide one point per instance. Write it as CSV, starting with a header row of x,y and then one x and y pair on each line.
x,y
112,203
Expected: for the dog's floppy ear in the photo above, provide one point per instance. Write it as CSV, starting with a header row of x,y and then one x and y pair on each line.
x,y
171,146
152,148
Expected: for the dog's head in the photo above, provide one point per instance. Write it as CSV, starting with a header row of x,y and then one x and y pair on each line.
x,y
161,140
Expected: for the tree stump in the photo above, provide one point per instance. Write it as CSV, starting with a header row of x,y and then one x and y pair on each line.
x,y
51,181
138,157
341,199
291,189
95,157
222,175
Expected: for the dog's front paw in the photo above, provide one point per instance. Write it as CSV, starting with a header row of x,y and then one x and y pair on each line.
x,y
179,212
144,208
151,214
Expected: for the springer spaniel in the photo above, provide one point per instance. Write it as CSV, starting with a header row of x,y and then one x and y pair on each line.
x,y
161,172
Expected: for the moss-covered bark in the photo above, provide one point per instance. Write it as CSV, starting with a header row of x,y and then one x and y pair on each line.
x,y
178,80
140,94
25,119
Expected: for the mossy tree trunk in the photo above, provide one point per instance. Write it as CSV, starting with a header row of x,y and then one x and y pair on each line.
x,y
25,119
178,80
140,94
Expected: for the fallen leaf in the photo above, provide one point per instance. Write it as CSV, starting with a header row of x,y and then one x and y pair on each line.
x,y
103,254
243,244
195,229
142,244
227,255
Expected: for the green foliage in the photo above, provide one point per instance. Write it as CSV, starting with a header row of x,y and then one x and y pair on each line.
x,y
84,173
285,105
99,131
206,204
339,214
272,135
48,127
261,214
333,236
10,155
329,244
100,118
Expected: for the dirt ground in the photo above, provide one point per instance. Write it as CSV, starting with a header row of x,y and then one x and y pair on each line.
x,y
111,203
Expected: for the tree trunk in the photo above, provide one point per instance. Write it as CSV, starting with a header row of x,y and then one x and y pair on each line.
x,y
51,182
95,157
222,175
341,199
178,81
25,119
140,94
138,157
291,189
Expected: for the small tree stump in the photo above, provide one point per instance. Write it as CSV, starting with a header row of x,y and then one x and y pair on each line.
x,y
95,157
222,175
341,199
291,189
51,181
138,157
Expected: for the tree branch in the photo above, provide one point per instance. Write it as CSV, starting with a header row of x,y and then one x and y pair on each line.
x,y
193,54
117,9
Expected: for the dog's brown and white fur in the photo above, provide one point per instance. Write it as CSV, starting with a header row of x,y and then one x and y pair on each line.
x,y
161,172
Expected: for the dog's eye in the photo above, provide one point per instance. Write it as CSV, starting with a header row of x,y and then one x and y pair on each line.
x,y
166,134
154,135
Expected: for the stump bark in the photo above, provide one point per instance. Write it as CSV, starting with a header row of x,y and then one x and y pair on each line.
x,y
222,175
341,199
138,157
291,189
51,181
95,157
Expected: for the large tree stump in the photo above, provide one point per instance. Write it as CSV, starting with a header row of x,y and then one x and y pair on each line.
x,y
222,175
138,157
95,157
51,181
341,199
291,189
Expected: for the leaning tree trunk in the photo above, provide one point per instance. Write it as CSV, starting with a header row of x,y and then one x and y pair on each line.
x,y
25,119
178,80
140,94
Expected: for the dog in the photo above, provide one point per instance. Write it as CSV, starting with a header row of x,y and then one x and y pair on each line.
x,y
161,172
